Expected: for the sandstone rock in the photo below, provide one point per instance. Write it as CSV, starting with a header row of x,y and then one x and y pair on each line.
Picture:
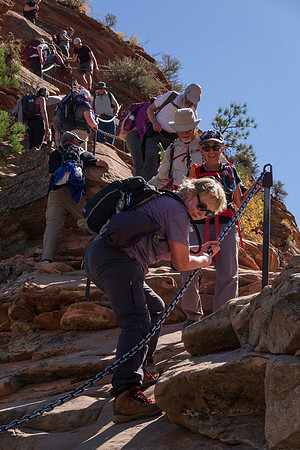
x,y
47,292
282,387
4,312
50,320
220,396
77,413
283,227
88,316
239,313
167,288
275,314
5,5
212,334
10,385
255,251
20,327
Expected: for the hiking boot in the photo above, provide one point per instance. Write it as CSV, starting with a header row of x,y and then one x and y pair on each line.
x,y
148,379
133,404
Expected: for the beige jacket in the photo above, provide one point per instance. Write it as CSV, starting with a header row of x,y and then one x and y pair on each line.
x,y
181,164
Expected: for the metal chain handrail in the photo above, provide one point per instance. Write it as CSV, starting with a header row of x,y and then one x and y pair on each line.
x,y
108,134
72,394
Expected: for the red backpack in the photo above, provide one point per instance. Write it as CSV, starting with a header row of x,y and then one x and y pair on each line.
x,y
30,50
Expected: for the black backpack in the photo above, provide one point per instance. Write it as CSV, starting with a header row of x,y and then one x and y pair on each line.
x,y
71,154
28,106
65,112
109,213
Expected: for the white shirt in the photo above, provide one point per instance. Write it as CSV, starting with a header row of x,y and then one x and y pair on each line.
x,y
167,114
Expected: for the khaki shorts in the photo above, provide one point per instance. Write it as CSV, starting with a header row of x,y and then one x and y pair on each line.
x,y
86,67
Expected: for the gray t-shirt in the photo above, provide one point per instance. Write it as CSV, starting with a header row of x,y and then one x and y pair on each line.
x,y
62,42
174,226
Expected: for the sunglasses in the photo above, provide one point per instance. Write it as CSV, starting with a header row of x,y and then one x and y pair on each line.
x,y
215,148
201,207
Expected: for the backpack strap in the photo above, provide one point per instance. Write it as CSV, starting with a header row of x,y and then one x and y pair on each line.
x,y
194,173
168,100
172,150
110,98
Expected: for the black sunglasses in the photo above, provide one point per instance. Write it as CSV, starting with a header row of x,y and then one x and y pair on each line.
x,y
215,148
201,207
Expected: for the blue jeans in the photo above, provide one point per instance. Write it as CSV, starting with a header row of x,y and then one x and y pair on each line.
x,y
108,127
135,305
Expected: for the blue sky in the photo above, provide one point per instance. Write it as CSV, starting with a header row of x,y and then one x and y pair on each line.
x,y
237,50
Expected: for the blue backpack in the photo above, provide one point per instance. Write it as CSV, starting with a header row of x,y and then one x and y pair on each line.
x,y
70,172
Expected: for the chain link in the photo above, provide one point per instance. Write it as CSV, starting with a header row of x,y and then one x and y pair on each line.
x,y
72,394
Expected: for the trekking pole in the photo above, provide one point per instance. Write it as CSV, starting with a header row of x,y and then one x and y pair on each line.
x,y
267,184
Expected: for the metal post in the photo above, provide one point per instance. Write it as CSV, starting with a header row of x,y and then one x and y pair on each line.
x,y
267,183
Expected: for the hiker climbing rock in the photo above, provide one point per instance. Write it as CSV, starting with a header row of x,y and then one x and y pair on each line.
x,y
182,153
87,62
136,133
30,10
121,274
66,188
75,113
106,107
35,116
160,113
226,262
63,41
38,57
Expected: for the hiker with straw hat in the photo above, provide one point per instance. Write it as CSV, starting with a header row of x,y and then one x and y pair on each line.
x,y
182,153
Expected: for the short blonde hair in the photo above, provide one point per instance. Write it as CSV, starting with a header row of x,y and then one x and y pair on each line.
x,y
196,186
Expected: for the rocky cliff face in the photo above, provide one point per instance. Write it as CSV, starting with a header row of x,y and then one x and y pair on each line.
x,y
241,382
105,43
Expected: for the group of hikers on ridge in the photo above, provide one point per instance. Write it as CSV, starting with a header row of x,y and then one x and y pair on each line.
x,y
44,54
195,183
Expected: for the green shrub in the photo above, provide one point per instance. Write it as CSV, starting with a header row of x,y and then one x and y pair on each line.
x,y
14,132
10,62
136,72
278,191
170,66
110,20
80,5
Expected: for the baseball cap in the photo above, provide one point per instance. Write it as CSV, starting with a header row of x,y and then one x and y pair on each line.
x,y
193,93
212,135
85,92
68,136
101,85
77,41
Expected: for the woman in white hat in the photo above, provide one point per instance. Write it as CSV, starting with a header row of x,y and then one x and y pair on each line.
x,y
182,153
